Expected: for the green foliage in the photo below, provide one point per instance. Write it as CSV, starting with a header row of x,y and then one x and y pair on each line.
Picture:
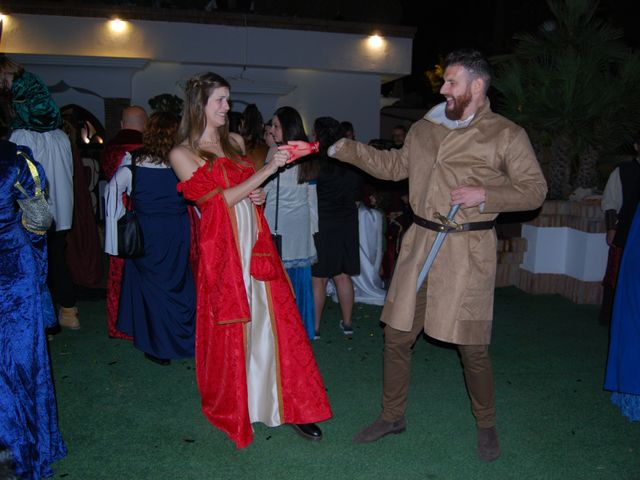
x,y
166,103
573,77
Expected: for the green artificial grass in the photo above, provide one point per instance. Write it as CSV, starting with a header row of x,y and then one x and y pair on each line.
x,y
124,417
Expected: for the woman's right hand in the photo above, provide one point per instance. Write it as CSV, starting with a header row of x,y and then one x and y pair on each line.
x,y
279,159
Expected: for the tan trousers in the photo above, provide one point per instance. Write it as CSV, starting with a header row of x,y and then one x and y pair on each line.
x,y
476,365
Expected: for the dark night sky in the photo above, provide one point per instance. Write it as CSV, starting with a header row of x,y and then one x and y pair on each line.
x,y
489,25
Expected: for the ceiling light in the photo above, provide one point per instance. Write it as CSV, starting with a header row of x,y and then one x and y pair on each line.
x,y
117,25
375,41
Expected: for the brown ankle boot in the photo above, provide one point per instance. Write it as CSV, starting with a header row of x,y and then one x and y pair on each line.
x,y
68,318
379,429
488,444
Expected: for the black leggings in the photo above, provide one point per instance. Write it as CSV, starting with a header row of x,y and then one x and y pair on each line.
x,y
59,279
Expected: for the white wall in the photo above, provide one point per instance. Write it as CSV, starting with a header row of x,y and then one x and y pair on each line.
x,y
206,44
318,73
563,250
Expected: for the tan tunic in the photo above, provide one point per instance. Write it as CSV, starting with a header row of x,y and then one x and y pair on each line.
x,y
492,152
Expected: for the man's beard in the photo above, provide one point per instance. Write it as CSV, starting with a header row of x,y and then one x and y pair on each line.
x,y
459,105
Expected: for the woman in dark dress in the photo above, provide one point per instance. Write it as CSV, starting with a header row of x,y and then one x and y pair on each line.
x,y
157,301
337,238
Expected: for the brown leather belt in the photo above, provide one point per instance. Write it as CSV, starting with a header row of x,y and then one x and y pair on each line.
x,y
454,227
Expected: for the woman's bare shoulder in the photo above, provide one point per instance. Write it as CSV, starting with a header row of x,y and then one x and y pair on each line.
x,y
182,150
184,161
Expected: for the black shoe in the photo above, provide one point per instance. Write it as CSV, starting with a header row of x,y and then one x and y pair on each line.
x,y
310,431
346,329
159,361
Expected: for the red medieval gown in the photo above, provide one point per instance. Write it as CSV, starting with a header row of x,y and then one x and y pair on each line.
x,y
253,360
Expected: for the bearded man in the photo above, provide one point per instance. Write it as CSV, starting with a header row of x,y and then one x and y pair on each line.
x,y
460,153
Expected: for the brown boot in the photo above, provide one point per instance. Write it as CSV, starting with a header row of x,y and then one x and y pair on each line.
x,y
379,429
68,318
488,444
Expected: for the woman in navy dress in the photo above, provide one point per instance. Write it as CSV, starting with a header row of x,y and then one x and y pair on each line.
x,y
28,415
157,302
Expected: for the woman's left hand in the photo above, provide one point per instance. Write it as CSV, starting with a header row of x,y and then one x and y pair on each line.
x,y
258,196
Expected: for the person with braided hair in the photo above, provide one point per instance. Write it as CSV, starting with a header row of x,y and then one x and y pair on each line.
x,y
253,360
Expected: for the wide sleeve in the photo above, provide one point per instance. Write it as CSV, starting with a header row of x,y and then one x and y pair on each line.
x,y
114,208
203,185
312,200
526,187
612,194
220,282
383,164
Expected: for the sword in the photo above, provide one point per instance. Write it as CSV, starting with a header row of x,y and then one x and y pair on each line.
x,y
435,248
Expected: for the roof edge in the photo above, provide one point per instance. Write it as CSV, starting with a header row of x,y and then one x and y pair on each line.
x,y
204,17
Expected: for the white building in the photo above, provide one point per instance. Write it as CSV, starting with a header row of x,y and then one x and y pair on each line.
x,y
320,68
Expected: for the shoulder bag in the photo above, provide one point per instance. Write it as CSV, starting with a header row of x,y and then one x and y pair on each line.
x,y
130,238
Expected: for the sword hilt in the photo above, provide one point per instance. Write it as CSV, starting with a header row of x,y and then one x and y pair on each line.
x,y
448,220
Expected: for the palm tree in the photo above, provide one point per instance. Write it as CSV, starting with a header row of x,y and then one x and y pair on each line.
x,y
575,86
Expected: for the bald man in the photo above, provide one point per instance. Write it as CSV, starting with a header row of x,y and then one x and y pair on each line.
x,y
132,125
129,138
134,118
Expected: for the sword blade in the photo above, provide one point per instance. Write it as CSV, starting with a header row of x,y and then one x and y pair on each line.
x,y
435,248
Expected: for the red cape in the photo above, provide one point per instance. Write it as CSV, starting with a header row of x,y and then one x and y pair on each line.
x,y
125,141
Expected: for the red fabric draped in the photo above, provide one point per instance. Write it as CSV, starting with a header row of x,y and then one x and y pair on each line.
x,y
113,153
111,158
223,310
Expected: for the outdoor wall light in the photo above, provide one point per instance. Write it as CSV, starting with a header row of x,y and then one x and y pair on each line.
x,y
375,41
117,25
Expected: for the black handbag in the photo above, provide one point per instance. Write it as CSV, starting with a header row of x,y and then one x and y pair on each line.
x,y
130,238
277,239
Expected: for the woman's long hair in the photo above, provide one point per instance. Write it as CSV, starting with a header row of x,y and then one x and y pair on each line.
x,y
12,68
328,131
252,127
8,66
159,137
293,129
197,91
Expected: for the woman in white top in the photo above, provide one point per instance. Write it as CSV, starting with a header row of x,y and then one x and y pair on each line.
x,y
292,212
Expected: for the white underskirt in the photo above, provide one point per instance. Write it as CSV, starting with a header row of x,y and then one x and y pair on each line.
x,y
262,385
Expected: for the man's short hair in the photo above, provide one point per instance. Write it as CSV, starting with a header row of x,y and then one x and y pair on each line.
x,y
473,61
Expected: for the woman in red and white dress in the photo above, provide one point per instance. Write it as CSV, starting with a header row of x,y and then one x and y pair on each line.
x,y
253,360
